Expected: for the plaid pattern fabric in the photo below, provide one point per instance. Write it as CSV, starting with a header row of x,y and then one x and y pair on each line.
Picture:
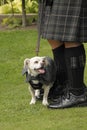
x,y
65,20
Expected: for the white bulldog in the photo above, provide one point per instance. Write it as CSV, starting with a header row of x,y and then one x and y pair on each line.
x,y
40,73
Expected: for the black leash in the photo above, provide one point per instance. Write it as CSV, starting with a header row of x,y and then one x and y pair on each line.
x,y
42,3
39,27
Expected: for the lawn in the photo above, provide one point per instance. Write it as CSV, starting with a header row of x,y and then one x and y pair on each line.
x,y
15,111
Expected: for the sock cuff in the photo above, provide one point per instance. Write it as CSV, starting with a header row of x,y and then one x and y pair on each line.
x,y
59,49
75,51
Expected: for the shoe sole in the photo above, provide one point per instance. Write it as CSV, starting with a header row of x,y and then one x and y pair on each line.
x,y
82,104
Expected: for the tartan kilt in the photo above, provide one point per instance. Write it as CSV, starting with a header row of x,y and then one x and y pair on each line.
x,y
65,20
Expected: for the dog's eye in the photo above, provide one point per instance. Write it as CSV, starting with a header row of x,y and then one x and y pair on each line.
x,y
43,61
36,62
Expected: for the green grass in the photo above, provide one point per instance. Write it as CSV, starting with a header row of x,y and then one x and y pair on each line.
x,y
15,111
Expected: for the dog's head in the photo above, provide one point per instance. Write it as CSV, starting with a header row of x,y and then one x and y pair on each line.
x,y
35,65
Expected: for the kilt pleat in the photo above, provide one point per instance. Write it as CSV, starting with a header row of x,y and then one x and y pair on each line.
x,y
65,20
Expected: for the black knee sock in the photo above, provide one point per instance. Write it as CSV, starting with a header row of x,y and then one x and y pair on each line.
x,y
75,62
59,59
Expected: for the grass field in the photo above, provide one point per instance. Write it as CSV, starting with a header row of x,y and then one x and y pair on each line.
x,y
15,111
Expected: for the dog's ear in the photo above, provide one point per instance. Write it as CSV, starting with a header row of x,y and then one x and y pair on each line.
x,y
26,64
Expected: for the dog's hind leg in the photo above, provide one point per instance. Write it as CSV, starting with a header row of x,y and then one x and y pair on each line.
x,y
32,91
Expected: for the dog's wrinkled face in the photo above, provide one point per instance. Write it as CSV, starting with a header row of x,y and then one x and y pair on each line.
x,y
35,65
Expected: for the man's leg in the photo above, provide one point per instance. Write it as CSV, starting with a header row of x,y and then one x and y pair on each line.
x,y
58,49
75,61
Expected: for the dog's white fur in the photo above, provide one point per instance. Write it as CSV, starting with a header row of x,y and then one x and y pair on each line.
x,y
32,65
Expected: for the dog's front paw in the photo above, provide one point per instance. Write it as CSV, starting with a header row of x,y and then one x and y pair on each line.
x,y
45,103
33,101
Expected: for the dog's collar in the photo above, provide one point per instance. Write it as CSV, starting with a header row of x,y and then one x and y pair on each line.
x,y
30,77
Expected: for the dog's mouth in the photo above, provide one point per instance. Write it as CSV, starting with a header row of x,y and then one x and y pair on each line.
x,y
41,70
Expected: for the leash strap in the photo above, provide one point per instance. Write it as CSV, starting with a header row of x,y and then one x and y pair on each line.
x,y
39,27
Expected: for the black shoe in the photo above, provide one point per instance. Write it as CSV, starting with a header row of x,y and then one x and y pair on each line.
x,y
70,101
57,97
